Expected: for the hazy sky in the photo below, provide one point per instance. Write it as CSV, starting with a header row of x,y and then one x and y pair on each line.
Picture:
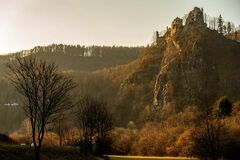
x,y
27,23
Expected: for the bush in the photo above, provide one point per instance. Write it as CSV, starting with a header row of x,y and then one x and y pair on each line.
x,y
5,139
183,144
122,140
155,139
103,146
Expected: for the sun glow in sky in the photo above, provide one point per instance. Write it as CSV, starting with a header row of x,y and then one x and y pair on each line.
x,y
28,23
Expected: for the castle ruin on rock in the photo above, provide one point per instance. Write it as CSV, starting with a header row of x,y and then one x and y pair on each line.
x,y
176,25
194,18
164,85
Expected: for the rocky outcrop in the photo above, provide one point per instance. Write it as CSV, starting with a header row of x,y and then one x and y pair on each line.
x,y
192,66
198,65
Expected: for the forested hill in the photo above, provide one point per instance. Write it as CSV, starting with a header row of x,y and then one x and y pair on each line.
x,y
80,58
81,61
190,65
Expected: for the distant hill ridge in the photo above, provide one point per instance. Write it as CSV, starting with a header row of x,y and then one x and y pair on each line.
x,y
75,50
83,58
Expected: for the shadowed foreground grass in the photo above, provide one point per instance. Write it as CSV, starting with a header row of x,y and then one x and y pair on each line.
x,y
113,157
17,152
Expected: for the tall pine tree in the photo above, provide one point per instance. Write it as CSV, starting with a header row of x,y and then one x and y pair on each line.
x,y
220,24
229,28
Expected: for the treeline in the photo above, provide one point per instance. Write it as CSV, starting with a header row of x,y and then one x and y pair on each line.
x,y
207,134
78,50
218,23
78,58
227,28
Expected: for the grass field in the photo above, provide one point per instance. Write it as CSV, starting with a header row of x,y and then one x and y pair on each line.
x,y
17,152
113,157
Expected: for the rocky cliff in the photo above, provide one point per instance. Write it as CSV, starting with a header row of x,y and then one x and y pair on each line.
x,y
192,66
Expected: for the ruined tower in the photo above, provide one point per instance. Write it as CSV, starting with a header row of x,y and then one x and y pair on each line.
x,y
176,25
195,17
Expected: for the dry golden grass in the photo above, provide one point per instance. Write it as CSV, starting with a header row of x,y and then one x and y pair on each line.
x,y
119,157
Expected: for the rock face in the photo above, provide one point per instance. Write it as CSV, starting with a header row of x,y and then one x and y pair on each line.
x,y
192,66
197,67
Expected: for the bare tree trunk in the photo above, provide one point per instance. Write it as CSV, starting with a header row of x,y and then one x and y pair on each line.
x,y
60,141
37,153
60,132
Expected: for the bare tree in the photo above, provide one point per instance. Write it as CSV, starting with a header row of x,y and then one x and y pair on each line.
x,y
45,91
208,136
60,127
95,122
214,23
205,18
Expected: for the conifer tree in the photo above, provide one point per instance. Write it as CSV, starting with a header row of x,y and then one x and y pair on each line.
x,y
220,24
229,28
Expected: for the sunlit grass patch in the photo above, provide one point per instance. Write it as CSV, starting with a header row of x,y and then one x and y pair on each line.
x,y
115,157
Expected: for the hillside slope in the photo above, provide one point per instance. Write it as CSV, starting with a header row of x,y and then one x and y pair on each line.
x,y
79,61
191,66
79,58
